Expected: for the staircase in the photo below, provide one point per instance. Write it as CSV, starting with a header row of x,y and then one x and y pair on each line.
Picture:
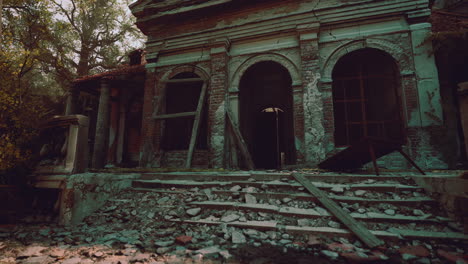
x,y
392,207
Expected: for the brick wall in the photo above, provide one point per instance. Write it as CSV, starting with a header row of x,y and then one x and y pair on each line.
x,y
216,113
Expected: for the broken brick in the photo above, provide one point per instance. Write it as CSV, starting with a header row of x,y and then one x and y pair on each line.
x,y
452,257
419,251
183,240
340,247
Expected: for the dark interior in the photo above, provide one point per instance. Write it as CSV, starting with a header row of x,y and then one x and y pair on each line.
x,y
267,85
365,97
183,97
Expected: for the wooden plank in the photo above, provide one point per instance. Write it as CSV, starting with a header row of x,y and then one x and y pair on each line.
x,y
187,80
176,115
196,126
240,140
367,237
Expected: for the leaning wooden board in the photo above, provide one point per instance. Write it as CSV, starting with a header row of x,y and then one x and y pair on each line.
x,y
357,228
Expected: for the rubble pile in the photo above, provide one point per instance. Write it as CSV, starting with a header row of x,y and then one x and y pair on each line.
x,y
251,221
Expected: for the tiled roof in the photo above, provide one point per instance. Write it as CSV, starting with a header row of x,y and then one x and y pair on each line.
x,y
121,70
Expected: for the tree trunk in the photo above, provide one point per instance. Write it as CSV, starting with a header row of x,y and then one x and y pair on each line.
x,y
83,64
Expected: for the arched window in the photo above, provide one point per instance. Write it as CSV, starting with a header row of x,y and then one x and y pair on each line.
x,y
365,97
183,97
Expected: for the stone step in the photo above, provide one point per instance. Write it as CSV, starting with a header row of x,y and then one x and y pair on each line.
x,y
269,176
412,202
312,213
394,235
380,187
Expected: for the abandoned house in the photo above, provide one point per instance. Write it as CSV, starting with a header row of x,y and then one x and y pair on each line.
x,y
271,83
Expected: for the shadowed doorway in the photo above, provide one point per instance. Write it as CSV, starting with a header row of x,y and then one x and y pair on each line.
x,y
266,114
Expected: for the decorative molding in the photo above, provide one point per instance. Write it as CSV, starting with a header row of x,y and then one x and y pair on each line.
x,y
308,31
186,68
222,45
306,18
285,62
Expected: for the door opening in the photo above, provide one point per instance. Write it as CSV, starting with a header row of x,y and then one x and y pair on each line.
x,y
266,115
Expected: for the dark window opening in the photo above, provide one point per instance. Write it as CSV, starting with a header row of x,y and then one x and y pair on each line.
x,y
183,97
365,97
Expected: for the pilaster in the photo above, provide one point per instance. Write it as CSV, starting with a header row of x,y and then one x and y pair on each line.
x,y
308,104
216,102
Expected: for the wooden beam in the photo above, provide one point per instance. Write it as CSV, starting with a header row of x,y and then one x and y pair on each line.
x,y
196,126
188,80
240,140
176,115
367,237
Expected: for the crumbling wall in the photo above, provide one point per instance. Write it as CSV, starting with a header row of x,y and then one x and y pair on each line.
x,y
420,107
85,193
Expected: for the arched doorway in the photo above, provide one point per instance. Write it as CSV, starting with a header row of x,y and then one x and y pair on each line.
x,y
266,114
366,99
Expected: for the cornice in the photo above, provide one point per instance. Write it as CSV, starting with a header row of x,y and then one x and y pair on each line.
x,y
304,23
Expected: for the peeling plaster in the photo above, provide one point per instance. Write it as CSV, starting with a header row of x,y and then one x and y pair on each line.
x,y
426,156
313,112
217,137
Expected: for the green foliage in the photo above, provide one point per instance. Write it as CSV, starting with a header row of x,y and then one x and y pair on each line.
x,y
20,109
44,46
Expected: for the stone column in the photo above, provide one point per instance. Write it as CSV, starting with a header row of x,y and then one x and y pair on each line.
x,y
72,101
217,96
101,138
313,133
426,151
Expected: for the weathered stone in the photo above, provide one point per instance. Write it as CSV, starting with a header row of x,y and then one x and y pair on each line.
x,y
209,251
333,224
272,234
250,189
250,232
32,251
303,222
98,254
390,212
418,212
330,254
38,260
164,243
235,188
163,200
359,192
337,189
225,254
408,256
286,200
163,250
250,199
72,261
230,218
313,240
238,237
142,257
193,211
